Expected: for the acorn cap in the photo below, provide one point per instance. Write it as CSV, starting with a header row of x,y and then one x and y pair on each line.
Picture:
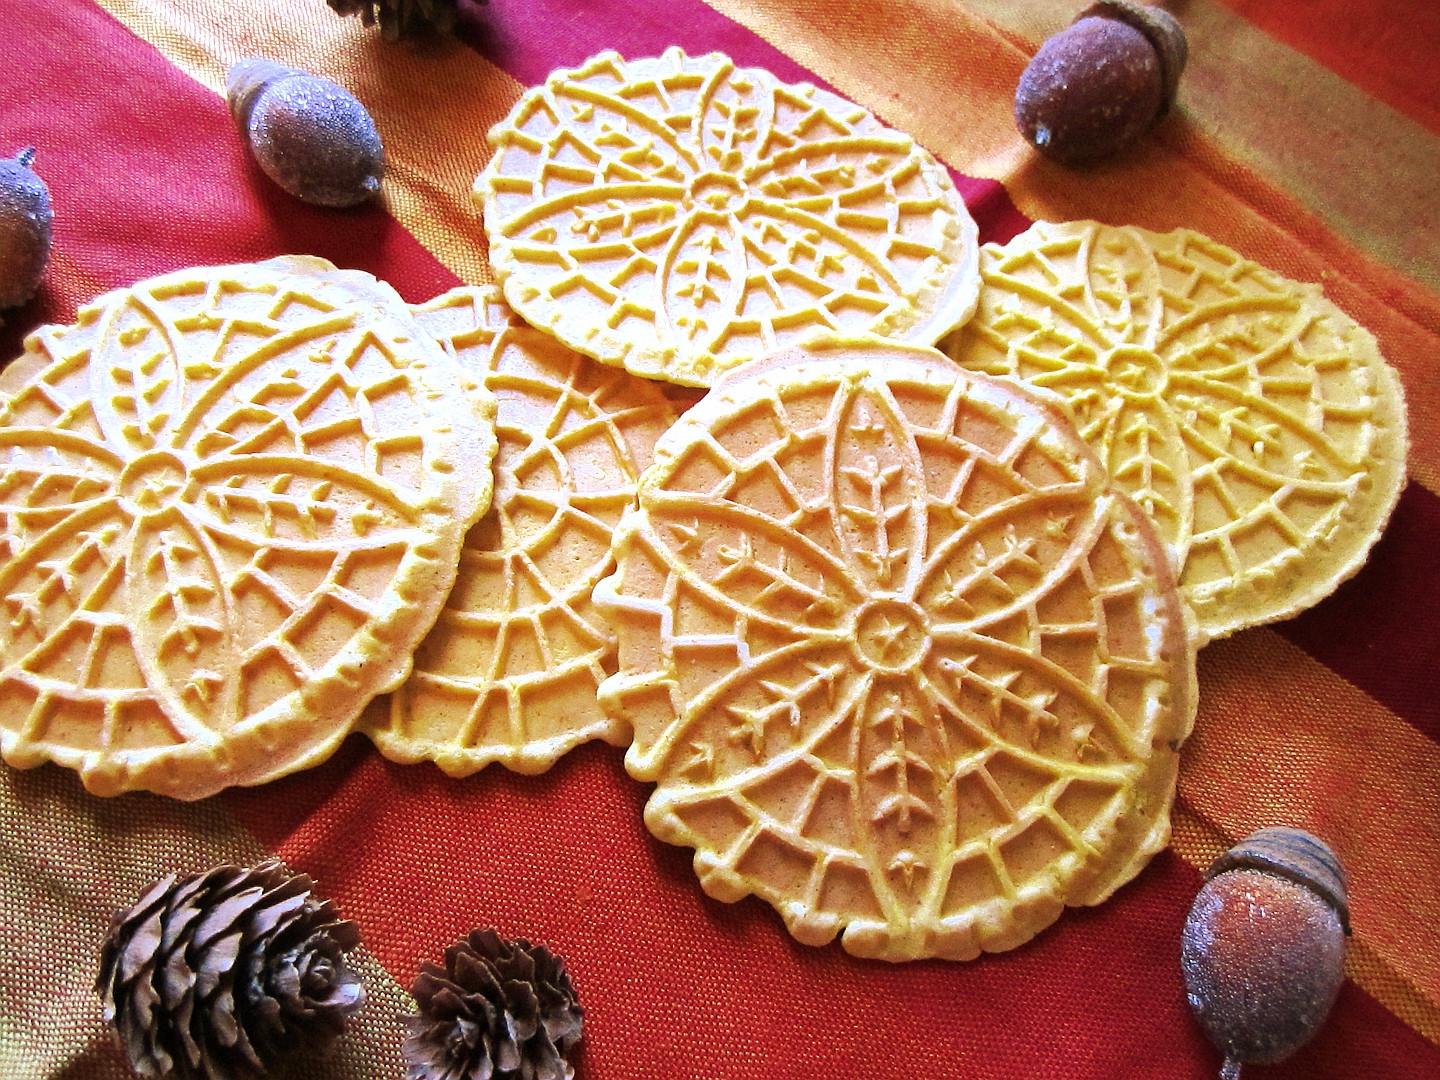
x,y
1294,854
247,78
1160,27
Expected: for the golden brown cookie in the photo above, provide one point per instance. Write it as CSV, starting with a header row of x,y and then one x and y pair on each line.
x,y
511,669
679,215
1254,422
898,657
233,501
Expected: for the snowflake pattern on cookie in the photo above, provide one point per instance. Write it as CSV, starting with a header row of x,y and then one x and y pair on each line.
x,y
1251,419
233,500
678,216
898,657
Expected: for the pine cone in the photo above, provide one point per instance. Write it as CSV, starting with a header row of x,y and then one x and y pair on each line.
x,y
401,18
216,975
497,1010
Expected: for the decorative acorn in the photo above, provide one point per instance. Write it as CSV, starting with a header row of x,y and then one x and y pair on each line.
x,y
25,222
1101,83
215,976
310,135
401,18
497,1010
1263,951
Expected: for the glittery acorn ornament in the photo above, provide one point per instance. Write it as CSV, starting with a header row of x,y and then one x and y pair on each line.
x,y
1102,82
25,221
1263,951
310,135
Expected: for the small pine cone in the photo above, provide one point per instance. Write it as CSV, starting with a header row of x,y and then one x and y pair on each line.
x,y
216,975
401,18
497,1010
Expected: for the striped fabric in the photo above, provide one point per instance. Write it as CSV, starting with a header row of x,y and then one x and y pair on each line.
x,y
1308,138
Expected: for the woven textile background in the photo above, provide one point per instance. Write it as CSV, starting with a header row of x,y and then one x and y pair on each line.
x,y
1308,138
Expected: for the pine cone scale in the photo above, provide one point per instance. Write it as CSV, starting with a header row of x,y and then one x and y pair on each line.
x,y
221,920
277,915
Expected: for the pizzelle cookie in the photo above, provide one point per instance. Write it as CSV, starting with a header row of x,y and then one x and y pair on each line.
x,y
233,502
899,658
678,216
1254,421
511,669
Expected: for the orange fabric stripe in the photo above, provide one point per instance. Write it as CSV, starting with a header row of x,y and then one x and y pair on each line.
x,y
432,108
1281,739
946,76
1293,121
1386,46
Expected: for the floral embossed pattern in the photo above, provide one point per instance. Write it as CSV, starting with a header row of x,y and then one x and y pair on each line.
x,y
1253,421
899,658
679,215
233,500
511,670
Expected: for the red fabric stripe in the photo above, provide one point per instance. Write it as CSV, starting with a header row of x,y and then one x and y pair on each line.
x,y
1385,47
530,38
1380,629
148,173
680,986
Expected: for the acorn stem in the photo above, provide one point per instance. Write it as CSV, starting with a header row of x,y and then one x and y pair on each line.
x,y
1230,1070
26,156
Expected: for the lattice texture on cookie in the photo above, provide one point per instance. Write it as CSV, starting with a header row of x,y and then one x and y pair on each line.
x,y
229,499
679,215
512,667
898,658
1253,421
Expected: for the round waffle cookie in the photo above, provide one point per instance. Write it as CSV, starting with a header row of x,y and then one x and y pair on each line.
x,y
678,216
899,658
511,669
233,502
1253,421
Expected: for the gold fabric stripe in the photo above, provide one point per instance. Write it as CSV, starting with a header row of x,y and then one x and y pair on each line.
x,y
68,861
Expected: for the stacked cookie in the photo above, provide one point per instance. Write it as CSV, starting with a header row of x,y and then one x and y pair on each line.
x,y
903,636
512,669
